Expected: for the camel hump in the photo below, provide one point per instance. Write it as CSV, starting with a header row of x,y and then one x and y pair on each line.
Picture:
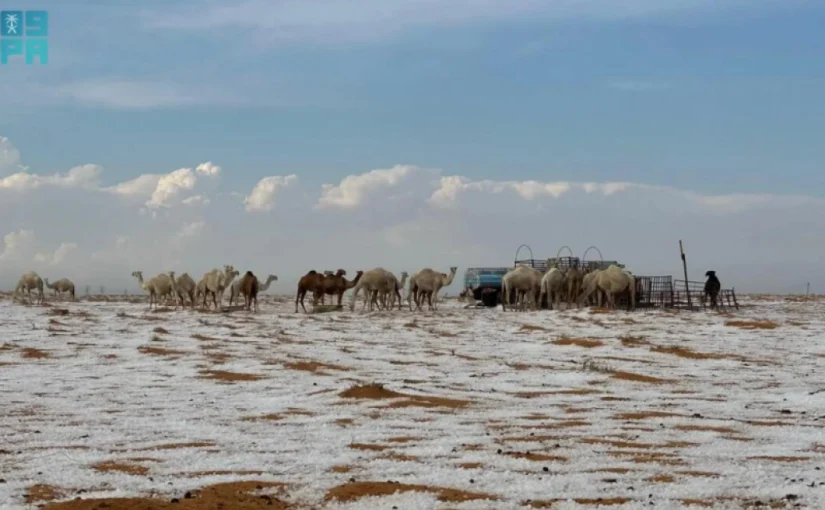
x,y
249,273
312,271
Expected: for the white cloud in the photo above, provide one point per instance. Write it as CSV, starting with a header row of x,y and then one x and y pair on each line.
x,y
9,155
60,255
208,169
196,200
191,229
122,94
262,197
353,190
141,186
170,185
84,176
17,245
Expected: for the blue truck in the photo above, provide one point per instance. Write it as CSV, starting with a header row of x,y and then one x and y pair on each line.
x,y
484,283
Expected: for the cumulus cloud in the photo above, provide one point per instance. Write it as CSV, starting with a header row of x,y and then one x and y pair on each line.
x,y
262,197
60,255
9,155
401,217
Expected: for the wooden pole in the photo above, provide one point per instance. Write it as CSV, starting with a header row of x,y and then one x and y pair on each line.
x,y
684,266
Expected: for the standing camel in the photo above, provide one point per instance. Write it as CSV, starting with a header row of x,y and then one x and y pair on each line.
x,y
573,283
235,289
61,286
335,285
612,281
374,280
183,286
552,286
157,286
428,282
249,289
525,281
308,282
395,292
30,280
214,282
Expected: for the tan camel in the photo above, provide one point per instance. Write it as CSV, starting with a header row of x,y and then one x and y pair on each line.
x,y
308,282
612,281
214,282
158,286
61,286
573,278
28,281
249,290
390,297
594,296
552,286
335,285
183,286
524,281
235,289
329,279
379,297
428,282
374,280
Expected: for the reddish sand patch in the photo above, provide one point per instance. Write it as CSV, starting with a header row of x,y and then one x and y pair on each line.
x,y
341,469
660,479
633,341
177,446
368,447
226,496
550,503
580,342
630,376
31,353
470,465
378,392
643,415
224,376
158,351
40,493
531,327
560,425
198,336
537,457
745,324
356,490
265,417
344,421
700,474
706,428
160,330
779,458
110,466
684,352
199,474
315,367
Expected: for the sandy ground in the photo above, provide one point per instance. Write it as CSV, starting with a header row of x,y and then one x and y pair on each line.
x,y
458,409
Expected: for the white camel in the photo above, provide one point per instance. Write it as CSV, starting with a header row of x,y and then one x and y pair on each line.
x,y
588,281
214,282
372,281
395,293
235,289
158,286
613,281
183,286
61,286
552,286
30,280
427,283
524,281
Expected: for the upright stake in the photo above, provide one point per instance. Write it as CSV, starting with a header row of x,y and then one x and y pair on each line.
x,y
807,290
684,265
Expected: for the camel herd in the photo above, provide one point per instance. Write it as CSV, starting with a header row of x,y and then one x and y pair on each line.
x,y
381,288
573,285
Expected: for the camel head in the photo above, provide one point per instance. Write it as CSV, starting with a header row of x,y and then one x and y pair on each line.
x,y
710,274
272,278
328,273
340,272
453,270
404,275
137,274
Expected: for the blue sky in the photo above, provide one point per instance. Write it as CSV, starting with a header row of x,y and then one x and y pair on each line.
x,y
709,97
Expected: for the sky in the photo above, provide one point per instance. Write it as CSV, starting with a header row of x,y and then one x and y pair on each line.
x,y
288,135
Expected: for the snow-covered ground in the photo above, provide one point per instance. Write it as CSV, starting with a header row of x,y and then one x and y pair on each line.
x,y
541,409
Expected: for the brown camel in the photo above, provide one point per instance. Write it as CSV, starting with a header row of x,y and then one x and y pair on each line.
x,y
328,280
336,285
308,282
249,289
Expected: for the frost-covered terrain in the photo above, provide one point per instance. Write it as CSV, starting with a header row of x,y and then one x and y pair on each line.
x,y
479,409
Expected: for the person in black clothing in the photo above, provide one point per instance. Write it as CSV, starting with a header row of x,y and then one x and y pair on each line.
x,y
712,288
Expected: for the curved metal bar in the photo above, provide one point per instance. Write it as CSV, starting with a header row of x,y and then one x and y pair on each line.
x,y
519,249
568,250
584,257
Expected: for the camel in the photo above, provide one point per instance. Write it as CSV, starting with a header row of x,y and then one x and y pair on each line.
x,y
524,281
573,282
308,282
61,286
335,285
374,280
412,293
427,284
552,286
395,292
712,288
249,289
235,289
329,278
587,281
183,286
30,280
215,282
157,286
613,281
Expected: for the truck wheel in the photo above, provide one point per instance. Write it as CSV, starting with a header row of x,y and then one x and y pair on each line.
x,y
490,299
